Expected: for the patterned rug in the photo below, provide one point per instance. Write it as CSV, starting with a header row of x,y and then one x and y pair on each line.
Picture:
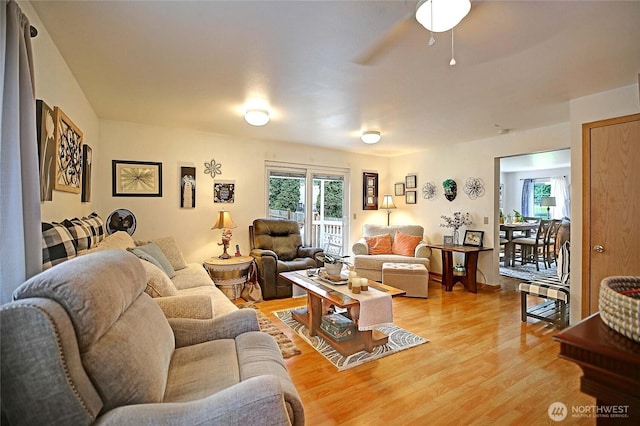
x,y
287,347
527,272
399,340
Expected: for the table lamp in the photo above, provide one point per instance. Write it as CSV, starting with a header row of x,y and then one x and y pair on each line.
x,y
548,202
387,203
224,222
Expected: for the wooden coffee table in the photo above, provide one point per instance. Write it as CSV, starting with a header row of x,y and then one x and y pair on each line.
x,y
312,315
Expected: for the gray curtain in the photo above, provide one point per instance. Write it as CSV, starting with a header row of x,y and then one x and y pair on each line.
x,y
527,198
20,235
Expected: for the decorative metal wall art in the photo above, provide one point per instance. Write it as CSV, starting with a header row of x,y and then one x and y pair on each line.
x,y
212,168
474,187
429,191
450,189
68,137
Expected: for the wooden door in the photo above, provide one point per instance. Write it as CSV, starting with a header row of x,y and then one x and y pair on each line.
x,y
611,203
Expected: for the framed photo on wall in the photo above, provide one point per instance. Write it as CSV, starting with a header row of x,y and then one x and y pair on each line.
x,y
411,181
369,191
473,238
399,189
224,192
136,178
410,197
187,187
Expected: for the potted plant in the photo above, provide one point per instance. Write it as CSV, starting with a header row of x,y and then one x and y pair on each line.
x,y
332,263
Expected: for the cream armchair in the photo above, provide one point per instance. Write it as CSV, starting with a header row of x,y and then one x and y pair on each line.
x,y
370,265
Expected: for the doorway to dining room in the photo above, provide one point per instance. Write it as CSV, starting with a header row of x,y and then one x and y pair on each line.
x,y
533,188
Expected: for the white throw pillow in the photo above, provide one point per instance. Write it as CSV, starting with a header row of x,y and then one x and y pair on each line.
x,y
169,247
158,283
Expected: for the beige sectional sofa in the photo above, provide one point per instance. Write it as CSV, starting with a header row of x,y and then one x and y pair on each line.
x,y
370,265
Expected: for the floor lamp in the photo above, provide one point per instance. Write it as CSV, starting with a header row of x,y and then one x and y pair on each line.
x,y
548,202
387,203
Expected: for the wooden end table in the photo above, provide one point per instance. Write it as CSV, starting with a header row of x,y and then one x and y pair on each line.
x,y
230,275
470,264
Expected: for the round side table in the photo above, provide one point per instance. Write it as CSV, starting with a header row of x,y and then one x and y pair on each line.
x,y
229,275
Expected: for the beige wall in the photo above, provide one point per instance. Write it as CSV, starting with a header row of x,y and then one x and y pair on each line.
x,y
243,161
459,162
56,85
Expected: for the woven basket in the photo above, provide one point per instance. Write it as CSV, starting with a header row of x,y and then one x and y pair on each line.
x,y
619,311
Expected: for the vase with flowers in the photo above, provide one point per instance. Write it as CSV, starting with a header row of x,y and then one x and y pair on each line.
x,y
456,221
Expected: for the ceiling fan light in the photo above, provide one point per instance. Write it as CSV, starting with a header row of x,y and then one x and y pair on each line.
x,y
256,117
446,13
370,137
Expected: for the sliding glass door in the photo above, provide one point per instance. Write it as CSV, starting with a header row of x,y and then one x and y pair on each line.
x,y
313,197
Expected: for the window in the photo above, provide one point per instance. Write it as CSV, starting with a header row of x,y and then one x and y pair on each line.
x,y
540,189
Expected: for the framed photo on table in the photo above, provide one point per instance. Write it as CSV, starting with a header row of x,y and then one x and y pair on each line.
x,y
369,191
473,238
136,179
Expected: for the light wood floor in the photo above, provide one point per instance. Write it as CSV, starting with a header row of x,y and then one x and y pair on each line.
x,y
481,366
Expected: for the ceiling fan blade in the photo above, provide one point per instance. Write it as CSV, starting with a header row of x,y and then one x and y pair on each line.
x,y
386,42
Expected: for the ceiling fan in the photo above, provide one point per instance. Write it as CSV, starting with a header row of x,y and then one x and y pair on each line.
x,y
434,15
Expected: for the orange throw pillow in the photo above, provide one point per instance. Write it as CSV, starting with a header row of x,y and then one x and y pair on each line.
x,y
405,244
379,244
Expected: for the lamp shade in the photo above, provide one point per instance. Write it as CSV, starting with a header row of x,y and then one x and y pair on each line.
x,y
224,221
548,202
256,117
446,13
387,202
370,137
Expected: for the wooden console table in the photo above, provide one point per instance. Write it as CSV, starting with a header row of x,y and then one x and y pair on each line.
x,y
610,364
470,265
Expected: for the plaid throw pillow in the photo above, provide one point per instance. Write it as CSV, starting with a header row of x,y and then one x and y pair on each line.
x,y
57,245
96,224
81,233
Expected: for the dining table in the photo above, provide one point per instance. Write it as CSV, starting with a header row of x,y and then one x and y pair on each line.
x,y
524,230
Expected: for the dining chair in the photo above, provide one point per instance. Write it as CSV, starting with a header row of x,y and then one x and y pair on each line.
x,y
533,248
550,242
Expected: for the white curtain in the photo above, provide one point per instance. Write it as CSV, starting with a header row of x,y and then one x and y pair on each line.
x,y
20,229
560,190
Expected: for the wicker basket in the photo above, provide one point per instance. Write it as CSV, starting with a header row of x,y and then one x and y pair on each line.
x,y
619,304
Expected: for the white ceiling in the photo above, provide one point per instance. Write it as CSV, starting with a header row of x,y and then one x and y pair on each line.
x,y
198,64
538,161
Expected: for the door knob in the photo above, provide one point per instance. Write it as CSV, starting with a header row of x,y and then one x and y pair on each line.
x,y
598,248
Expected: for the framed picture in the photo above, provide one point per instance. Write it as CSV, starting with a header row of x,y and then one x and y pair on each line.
x,y
399,189
68,164
224,192
447,240
136,178
187,187
45,126
87,159
369,191
411,181
473,238
410,197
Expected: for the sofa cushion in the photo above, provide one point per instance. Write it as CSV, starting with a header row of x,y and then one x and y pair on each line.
x,y
379,244
82,235
405,244
152,253
57,244
170,249
158,283
119,240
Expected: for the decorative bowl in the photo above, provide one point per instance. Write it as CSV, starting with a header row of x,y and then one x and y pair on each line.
x,y
619,303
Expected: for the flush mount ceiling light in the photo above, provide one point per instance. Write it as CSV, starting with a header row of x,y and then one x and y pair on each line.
x,y
256,117
441,15
370,137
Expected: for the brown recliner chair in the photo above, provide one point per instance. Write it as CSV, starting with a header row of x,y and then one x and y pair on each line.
x,y
276,245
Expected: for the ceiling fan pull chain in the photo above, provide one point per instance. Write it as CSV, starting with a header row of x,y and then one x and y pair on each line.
x,y
432,40
453,59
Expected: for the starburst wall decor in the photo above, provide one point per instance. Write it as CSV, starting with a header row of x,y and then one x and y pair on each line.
x,y
429,191
212,168
474,188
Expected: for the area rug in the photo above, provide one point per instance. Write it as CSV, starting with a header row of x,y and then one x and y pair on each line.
x,y
399,340
527,272
287,347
